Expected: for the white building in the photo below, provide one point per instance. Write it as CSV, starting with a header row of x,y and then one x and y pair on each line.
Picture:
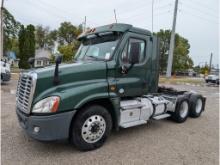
x,y
42,57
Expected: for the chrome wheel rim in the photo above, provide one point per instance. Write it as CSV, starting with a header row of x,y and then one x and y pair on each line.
x,y
198,106
184,108
93,129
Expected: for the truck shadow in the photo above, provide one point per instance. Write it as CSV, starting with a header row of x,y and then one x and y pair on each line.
x,y
116,137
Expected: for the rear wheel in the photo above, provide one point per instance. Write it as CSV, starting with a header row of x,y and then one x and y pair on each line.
x,y
91,128
196,106
182,110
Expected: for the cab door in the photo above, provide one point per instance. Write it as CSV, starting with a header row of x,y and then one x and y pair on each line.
x,y
131,79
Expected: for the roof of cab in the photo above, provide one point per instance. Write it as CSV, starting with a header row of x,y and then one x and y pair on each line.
x,y
115,27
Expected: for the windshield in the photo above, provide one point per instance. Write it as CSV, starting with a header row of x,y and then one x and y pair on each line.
x,y
97,48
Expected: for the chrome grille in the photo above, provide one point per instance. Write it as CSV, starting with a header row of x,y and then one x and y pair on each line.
x,y
25,91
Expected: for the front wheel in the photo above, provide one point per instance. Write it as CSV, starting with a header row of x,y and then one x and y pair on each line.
x,y
91,128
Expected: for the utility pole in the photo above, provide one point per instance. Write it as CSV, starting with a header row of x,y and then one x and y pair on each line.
x,y
210,63
152,19
115,16
84,24
1,43
172,42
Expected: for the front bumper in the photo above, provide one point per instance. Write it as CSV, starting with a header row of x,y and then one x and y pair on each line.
x,y
51,127
211,81
6,76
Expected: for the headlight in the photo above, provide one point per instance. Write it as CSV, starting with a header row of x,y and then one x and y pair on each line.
x,y
47,105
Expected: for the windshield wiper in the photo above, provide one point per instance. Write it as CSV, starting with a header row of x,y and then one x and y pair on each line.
x,y
93,57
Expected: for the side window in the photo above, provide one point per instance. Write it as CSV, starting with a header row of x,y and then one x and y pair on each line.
x,y
125,57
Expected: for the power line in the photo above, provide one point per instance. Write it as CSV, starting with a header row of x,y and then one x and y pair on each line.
x,y
163,6
141,9
140,13
197,16
199,10
137,7
45,10
60,11
162,13
205,6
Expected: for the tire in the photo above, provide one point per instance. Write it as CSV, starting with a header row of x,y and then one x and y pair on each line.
x,y
91,127
196,105
181,111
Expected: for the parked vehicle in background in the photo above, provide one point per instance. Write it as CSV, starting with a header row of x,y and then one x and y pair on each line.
x,y
212,78
5,71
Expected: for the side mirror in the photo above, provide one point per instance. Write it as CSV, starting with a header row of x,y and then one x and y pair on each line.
x,y
134,52
31,61
58,59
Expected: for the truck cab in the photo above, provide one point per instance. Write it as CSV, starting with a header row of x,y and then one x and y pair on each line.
x,y
111,83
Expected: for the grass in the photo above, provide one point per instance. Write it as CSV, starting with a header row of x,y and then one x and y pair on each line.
x,y
15,70
181,80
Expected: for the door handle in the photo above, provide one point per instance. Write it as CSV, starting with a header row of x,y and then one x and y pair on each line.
x,y
144,83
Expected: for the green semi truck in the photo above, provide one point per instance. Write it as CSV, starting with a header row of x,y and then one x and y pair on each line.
x,y
112,83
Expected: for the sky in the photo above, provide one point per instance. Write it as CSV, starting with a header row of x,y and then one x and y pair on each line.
x,y
197,20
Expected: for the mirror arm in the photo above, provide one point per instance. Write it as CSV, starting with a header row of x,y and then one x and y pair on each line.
x,y
125,69
56,79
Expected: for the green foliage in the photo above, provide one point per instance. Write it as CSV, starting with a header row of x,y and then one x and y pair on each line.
x,y
11,29
67,33
30,40
68,51
67,37
204,69
181,59
51,38
40,34
26,45
44,37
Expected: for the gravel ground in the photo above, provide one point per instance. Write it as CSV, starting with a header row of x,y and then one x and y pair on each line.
x,y
158,142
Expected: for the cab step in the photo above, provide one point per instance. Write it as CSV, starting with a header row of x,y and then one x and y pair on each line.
x,y
134,123
163,116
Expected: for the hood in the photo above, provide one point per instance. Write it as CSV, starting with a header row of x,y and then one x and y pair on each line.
x,y
69,73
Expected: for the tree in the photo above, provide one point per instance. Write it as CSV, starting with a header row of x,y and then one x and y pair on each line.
x,y
51,38
205,69
41,34
67,37
11,30
30,40
68,51
164,48
26,45
181,59
67,33
44,37
23,59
